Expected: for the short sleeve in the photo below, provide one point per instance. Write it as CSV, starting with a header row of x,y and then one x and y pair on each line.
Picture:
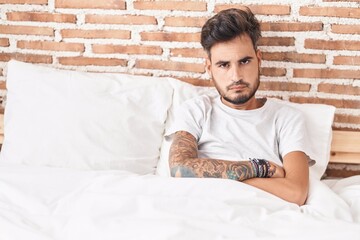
x,y
189,117
293,134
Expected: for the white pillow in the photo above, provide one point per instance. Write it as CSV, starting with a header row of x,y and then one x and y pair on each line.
x,y
83,120
319,118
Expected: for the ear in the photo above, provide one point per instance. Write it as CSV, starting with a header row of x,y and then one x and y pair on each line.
x,y
259,56
208,67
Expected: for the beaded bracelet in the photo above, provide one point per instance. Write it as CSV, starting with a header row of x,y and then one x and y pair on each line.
x,y
261,166
255,168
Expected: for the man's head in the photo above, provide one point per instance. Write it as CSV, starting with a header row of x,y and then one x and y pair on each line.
x,y
227,25
230,40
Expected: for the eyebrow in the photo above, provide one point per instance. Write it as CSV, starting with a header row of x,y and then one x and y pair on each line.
x,y
240,60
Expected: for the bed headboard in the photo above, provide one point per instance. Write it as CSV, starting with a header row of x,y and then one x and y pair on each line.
x,y
345,147
345,154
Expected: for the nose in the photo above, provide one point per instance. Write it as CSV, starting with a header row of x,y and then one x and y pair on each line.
x,y
235,73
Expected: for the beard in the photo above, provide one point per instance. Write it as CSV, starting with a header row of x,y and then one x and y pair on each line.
x,y
240,98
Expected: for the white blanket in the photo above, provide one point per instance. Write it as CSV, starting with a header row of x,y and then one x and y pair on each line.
x,y
53,203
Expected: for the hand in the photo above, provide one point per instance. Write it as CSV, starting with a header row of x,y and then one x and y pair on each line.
x,y
276,171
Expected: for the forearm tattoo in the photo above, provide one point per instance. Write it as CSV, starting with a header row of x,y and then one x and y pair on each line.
x,y
184,162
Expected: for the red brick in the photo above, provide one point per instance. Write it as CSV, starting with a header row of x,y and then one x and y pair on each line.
x,y
284,86
4,42
79,33
51,46
86,61
339,103
2,85
42,2
273,72
170,65
41,17
346,60
185,21
130,49
121,19
330,12
339,89
276,41
170,37
347,119
108,4
5,57
332,44
291,26
171,5
327,73
26,30
188,52
261,9
31,58
345,29
294,57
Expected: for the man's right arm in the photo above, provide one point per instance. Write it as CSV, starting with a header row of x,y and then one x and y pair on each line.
x,y
184,162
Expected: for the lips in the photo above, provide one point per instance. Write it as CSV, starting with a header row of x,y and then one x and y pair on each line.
x,y
238,87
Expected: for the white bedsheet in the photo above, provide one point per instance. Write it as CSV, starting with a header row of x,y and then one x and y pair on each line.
x,y
52,203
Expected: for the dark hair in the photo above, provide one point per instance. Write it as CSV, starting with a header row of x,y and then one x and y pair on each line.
x,y
228,24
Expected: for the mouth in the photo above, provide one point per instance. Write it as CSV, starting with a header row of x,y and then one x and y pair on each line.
x,y
238,87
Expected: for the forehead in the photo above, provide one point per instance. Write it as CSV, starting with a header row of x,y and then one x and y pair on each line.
x,y
236,48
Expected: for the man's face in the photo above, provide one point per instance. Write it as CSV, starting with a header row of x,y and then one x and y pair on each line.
x,y
235,69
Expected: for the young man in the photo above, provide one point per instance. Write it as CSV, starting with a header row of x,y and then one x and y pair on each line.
x,y
237,136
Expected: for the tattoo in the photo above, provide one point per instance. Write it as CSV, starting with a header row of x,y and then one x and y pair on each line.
x,y
212,175
184,162
240,171
180,171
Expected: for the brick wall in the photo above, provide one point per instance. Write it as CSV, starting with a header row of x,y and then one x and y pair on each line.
x,y
311,48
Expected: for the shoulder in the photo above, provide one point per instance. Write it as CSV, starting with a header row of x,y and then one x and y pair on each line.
x,y
284,108
207,99
203,102
196,108
286,112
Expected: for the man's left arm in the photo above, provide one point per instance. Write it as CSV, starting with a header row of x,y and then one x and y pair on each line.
x,y
294,186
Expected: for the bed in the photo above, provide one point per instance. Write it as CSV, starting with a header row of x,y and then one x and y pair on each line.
x,y
84,157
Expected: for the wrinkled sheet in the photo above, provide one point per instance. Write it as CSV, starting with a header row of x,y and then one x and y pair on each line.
x,y
53,203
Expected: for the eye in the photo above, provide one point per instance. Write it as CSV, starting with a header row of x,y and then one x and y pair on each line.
x,y
223,65
245,61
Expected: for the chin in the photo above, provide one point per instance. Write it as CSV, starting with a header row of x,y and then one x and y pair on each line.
x,y
236,101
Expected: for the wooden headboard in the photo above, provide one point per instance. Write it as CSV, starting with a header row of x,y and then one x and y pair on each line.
x,y
345,147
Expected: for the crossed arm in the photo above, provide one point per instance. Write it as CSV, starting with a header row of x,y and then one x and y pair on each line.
x,y
289,183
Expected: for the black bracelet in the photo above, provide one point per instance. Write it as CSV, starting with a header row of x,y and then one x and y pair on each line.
x,y
263,167
267,168
255,168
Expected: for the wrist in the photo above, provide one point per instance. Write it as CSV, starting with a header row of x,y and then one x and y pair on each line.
x,y
261,167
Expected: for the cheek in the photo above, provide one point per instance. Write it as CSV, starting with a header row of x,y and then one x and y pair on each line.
x,y
252,71
219,73
220,83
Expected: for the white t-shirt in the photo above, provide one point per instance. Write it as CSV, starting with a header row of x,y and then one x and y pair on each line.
x,y
269,132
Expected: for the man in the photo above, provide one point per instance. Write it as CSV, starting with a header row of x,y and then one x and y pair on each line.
x,y
237,136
